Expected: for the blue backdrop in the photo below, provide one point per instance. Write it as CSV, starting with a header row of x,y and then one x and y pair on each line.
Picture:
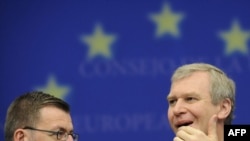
x,y
112,60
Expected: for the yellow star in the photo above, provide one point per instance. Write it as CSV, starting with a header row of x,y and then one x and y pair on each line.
x,y
236,39
167,22
54,89
99,43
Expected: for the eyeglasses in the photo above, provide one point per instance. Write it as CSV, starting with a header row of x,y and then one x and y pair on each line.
x,y
61,135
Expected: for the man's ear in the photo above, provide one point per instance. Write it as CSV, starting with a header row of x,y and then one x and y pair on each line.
x,y
19,135
225,108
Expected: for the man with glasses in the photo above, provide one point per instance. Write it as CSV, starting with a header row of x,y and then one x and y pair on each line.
x,y
37,116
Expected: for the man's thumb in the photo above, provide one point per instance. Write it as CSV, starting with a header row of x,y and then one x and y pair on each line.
x,y
212,127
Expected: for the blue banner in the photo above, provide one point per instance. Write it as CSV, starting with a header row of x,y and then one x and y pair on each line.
x,y
112,60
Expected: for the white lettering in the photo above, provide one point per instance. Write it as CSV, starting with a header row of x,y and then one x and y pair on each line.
x,y
155,67
236,132
123,123
231,132
243,131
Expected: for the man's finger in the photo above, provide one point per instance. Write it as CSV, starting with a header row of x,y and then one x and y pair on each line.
x,y
177,139
182,134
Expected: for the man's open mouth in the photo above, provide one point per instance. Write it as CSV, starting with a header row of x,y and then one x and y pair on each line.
x,y
184,124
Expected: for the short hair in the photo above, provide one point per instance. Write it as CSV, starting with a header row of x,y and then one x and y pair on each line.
x,y
221,87
24,111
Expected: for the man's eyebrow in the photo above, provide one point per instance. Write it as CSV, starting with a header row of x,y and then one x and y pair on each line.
x,y
170,97
184,95
60,128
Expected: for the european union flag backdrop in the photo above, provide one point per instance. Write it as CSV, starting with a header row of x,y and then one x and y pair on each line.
x,y
112,60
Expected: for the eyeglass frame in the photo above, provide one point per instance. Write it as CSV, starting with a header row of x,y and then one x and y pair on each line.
x,y
57,133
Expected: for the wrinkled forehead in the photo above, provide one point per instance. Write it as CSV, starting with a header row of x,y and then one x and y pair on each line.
x,y
197,83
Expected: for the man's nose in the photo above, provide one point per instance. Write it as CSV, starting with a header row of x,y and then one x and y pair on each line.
x,y
179,107
70,138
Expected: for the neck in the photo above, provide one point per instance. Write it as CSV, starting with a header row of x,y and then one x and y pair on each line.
x,y
220,132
